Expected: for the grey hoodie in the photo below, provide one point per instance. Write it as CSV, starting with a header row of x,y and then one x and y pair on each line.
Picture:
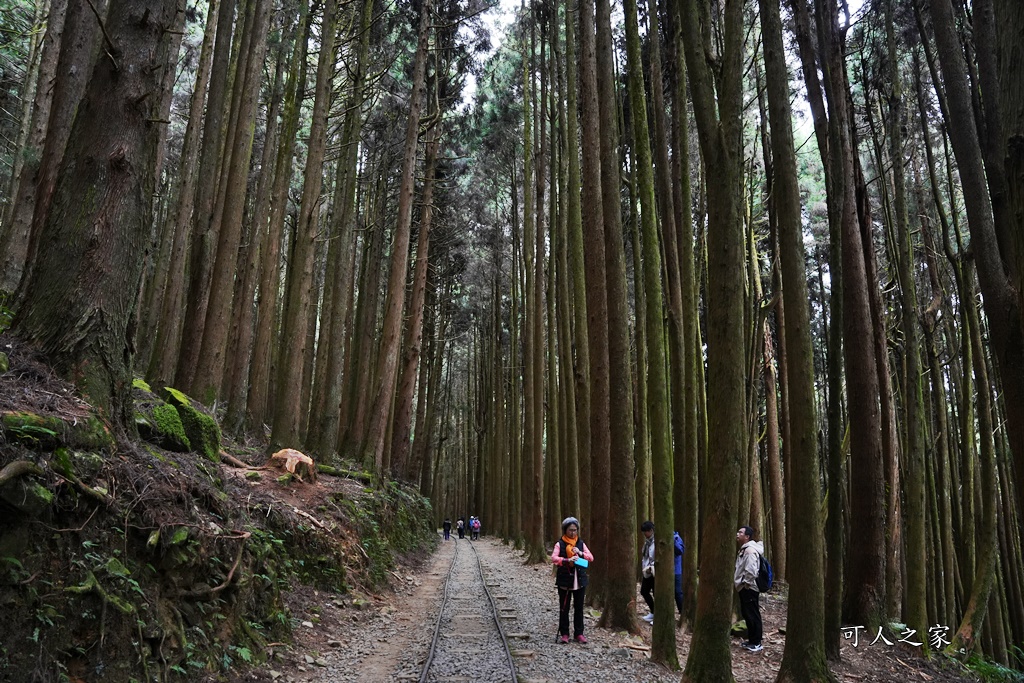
x,y
747,565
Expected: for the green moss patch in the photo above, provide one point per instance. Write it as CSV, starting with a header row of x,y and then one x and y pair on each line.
x,y
200,427
44,433
161,424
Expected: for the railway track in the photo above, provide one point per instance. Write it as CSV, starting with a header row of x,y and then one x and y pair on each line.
x,y
469,642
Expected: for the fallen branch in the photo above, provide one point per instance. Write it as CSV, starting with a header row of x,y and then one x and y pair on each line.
x,y
310,518
18,468
232,460
641,648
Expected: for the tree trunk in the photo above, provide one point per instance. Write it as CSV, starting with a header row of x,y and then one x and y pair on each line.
x,y
985,575
383,392
663,643
685,490
17,223
580,341
243,330
414,332
804,656
1002,304
595,478
89,262
719,135
289,410
211,362
620,590
79,43
265,345
168,324
204,235
913,395
865,596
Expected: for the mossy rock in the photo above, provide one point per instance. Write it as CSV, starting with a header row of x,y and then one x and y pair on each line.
x,y
40,432
200,427
26,496
160,424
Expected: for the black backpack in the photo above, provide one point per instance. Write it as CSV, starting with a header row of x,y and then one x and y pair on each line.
x,y
764,575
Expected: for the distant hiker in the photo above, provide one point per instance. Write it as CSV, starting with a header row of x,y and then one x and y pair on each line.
x,y
680,548
647,569
447,528
571,578
748,562
460,526
474,526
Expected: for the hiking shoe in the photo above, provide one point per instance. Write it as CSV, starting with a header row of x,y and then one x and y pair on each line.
x,y
649,618
564,640
581,639
750,647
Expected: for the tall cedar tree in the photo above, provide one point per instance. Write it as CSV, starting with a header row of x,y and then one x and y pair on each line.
x,y
804,656
594,478
17,220
718,130
79,304
231,205
663,646
289,409
865,594
580,342
620,588
390,340
993,243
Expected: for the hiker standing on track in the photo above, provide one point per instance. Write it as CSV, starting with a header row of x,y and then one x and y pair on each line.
x,y
571,578
447,526
647,569
747,566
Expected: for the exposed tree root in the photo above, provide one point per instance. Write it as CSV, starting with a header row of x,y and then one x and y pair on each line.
x,y
18,468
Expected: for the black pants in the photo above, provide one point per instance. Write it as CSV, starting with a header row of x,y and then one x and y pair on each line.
x,y
679,593
565,595
646,589
751,612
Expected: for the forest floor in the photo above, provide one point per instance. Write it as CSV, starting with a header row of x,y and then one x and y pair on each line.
x,y
387,640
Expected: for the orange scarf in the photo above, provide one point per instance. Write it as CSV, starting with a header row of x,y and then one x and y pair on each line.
x,y
570,543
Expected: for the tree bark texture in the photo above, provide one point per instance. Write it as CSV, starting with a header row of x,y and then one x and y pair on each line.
x,y
719,135
79,304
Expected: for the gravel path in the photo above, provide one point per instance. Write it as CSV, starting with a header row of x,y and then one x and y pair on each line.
x,y
391,642
387,637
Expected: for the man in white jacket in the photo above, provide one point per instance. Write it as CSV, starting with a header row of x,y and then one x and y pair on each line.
x,y
748,563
